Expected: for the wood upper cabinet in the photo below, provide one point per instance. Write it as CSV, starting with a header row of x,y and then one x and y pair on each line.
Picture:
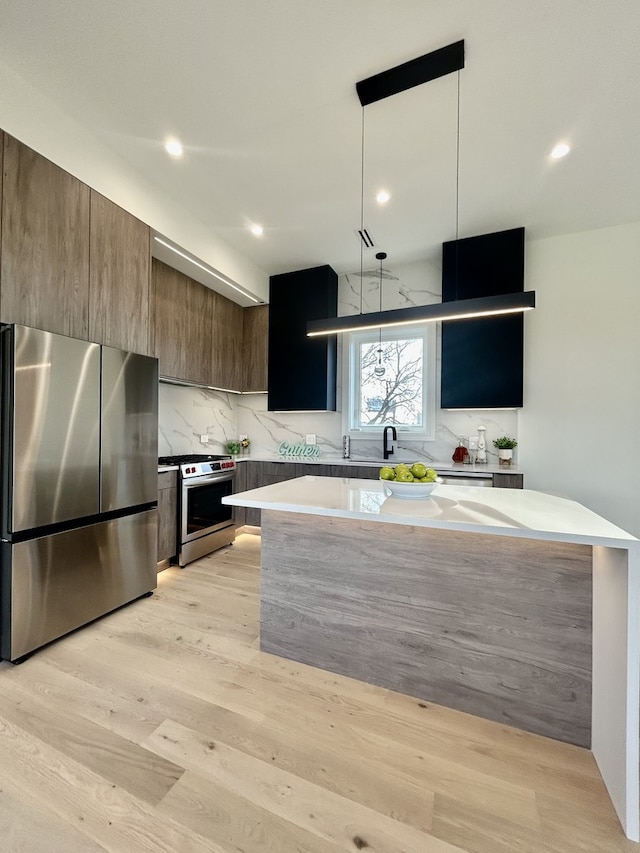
x,y
256,348
181,311
226,343
119,277
44,271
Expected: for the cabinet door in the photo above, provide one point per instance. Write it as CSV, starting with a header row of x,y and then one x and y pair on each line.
x,y
119,275
167,515
302,370
256,340
226,343
181,311
265,474
508,481
45,244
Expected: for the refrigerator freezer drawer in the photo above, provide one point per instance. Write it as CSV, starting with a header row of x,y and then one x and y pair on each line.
x,y
54,584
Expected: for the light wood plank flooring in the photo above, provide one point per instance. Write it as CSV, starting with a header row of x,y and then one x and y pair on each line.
x,y
162,728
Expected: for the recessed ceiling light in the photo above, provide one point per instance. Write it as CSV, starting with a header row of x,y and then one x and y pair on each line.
x,y
383,197
257,230
560,150
174,147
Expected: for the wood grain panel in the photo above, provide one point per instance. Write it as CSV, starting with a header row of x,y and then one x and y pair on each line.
x,y
260,473
508,481
45,244
182,311
226,343
256,347
167,515
494,626
120,272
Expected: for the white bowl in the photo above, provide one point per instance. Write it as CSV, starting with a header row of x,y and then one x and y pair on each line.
x,y
414,490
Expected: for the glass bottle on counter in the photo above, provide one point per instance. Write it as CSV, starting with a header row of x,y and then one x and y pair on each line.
x,y
460,454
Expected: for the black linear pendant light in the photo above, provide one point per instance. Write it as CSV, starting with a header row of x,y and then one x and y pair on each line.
x,y
432,65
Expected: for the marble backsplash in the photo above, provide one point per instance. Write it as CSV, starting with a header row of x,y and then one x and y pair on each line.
x,y
187,413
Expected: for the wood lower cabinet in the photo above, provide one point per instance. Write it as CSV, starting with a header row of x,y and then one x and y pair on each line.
x,y
264,474
167,515
508,481
45,244
256,348
120,274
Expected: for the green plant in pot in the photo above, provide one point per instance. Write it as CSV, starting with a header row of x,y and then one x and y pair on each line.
x,y
504,446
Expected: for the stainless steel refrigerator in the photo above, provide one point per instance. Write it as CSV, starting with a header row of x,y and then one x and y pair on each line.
x,y
78,443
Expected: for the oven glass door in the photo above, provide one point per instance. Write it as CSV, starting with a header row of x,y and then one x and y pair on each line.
x,y
202,507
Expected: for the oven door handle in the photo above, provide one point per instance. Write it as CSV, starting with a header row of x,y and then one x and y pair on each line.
x,y
194,484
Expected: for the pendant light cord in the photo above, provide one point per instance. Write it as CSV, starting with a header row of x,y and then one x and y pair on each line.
x,y
361,209
457,176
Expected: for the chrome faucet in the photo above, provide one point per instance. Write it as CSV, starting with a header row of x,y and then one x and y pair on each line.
x,y
387,451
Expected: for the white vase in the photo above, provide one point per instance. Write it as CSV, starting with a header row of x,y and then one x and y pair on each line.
x,y
505,456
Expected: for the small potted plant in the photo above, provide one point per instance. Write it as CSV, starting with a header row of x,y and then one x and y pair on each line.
x,y
245,442
504,446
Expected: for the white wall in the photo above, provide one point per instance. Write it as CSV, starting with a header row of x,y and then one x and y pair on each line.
x,y
579,430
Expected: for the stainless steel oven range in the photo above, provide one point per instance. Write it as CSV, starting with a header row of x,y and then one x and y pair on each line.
x,y
204,522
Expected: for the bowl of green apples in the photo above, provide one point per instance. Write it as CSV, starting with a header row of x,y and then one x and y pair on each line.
x,y
409,481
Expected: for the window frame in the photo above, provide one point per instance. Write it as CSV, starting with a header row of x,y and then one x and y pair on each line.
x,y
351,393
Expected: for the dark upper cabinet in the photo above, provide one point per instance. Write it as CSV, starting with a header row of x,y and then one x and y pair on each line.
x,y
482,359
301,370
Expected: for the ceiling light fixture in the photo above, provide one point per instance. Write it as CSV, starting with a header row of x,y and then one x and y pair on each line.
x,y
174,147
257,230
559,151
207,270
383,197
391,82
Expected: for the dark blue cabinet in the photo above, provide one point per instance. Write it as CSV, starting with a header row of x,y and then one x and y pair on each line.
x,y
302,370
482,359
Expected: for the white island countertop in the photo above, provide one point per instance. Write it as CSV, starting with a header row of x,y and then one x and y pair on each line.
x,y
508,512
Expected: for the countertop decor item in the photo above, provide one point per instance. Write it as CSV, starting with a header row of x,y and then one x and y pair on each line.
x,y
412,491
234,446
482,445
504,445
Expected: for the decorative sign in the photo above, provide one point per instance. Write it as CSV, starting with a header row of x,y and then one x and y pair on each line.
x,y
300,451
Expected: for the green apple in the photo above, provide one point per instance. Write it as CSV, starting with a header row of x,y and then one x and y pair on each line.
x,y
387,473
419,470
404,476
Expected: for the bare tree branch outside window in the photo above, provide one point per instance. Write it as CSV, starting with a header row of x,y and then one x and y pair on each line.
x,y
396,397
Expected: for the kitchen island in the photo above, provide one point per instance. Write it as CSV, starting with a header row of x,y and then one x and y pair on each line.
x,y
516,606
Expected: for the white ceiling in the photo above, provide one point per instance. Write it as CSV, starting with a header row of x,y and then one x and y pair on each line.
x,y
262,94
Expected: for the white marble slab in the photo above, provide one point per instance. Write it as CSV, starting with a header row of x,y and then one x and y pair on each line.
x,y
510,512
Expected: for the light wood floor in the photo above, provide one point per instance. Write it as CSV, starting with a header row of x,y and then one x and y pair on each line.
x,y
163,728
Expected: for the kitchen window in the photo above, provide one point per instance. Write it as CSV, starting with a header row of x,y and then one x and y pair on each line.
x,y
390,379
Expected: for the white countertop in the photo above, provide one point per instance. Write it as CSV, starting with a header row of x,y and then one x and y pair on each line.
x,y
507,512
163,468
446,467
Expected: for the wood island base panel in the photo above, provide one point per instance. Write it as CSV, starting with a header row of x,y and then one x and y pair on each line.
x,y
460,619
